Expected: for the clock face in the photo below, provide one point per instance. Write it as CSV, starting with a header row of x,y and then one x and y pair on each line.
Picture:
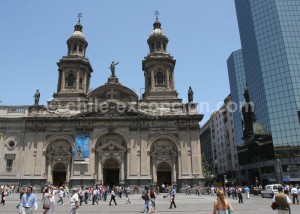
x,y
11,144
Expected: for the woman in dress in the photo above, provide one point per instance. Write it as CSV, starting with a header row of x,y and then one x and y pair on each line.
x,y
221,205
46,196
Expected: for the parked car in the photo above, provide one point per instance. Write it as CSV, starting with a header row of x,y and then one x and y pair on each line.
x,y
270,190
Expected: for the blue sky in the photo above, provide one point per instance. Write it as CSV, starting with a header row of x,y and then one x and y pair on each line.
x,y
202,34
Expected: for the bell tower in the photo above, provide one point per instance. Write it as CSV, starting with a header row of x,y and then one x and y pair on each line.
x,y
158,67
74,69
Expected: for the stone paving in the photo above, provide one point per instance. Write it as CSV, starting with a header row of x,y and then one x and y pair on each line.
x,y
185,204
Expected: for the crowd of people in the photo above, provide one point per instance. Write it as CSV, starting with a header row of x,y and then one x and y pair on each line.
x,y
53,195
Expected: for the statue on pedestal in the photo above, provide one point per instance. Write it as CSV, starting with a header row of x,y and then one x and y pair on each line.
x,y
190,95
36,97
112,68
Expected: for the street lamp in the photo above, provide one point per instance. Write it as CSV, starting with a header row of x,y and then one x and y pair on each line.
x,y
256,181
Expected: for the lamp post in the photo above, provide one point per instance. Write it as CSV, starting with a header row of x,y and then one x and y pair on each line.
x,y
279,171
225,181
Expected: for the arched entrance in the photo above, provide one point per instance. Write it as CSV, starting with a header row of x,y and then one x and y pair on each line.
x,y
59,174
111,172
164,174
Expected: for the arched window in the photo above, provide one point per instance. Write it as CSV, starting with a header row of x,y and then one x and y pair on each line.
x,y
158,46
75,47
160,78
70,80
80,48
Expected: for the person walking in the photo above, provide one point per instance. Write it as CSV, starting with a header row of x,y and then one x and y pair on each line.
x,y
221,205
61,196
294,193
247,191
3,196
282,201
28,202
46,200
95,194
152,198
112,196
240,195
52,191
145,196
127,193
172,197
74,201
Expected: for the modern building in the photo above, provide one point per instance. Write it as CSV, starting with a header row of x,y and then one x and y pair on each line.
x,y
107,135
237,82
269,32
224,150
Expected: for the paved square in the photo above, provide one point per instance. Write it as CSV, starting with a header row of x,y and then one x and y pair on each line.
x,y
185,204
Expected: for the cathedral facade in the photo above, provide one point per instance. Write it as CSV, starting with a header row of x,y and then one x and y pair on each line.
x,y
108,135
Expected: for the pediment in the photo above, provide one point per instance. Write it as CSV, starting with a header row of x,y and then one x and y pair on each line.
x,y
113,92
111,147
112,108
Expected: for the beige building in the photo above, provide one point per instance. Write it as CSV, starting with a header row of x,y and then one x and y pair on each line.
x,y
107,135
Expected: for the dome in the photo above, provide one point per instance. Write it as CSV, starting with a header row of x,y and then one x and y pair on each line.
x,y
157,31
77,34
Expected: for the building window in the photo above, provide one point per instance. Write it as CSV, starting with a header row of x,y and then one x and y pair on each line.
x,y
9,164
71,80
80,48
160,78
80,83
75,47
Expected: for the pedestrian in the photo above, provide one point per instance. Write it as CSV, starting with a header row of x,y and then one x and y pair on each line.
x,y
282,201
172,197
61,196
74,201
28,202
247,191
145,196
95,193
152,198
221,205
3,196
22,191
240,195
294,193
112,196
46,200
127,193
52,191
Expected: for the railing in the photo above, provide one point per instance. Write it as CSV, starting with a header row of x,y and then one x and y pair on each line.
x,y
13,111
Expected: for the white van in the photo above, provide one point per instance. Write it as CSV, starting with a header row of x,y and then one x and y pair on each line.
x,y
270,190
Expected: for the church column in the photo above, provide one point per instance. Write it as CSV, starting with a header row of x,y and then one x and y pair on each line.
x,y
99,175
167,79
122,180
68,171
62,86
49,174
174,179
152,80
154,171
77,80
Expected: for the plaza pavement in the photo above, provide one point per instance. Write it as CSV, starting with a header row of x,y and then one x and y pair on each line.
x,y
186,204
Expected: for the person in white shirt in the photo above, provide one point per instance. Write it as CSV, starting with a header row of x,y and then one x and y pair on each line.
x,y
74,201
294,193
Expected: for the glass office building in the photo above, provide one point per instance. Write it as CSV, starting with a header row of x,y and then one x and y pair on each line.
x,y
270,35
237,81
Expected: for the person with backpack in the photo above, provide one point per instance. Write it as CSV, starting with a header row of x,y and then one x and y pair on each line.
x,y
145,196
172,197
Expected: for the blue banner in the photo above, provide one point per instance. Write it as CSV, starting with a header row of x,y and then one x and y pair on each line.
x,y
82,148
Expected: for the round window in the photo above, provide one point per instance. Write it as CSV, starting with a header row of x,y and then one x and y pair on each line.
x,y
11,144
